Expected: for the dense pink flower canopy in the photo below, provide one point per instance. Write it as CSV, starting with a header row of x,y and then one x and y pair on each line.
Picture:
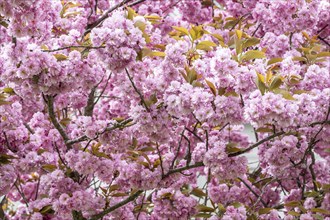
x,y
138,109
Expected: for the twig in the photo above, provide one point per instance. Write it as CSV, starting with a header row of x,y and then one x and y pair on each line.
x,y
22,194
103,17
72,47
197,164
118,205
324,41
29,128
160,159
135,3
256,144
254,193
178,150
85,138
50,104
137,91
198,137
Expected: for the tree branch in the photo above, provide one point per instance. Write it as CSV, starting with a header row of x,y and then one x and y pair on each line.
x,y
104,16
88,111
256,144
50,105
72,47
118,205
177,170
137,91
85,138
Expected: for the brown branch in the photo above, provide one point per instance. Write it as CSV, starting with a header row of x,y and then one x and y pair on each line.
x,y
88,110
177,170
104,16
59,128
324,41
160,159
137,91
254,193
256,144
135,3
72,47
85,138
118,205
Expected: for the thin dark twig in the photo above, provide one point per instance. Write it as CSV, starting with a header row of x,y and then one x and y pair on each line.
x,y
104,16
178,150
177,170
118,205
160,159
72,47
135,3
137,91
37,191
254,193
22,194
198,137
324,41
256,144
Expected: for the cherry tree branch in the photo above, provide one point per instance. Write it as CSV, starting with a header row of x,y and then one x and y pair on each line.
x,y
256,144
104,16
118,205
57,125
88,111
177,170
72,47
85,138
137,91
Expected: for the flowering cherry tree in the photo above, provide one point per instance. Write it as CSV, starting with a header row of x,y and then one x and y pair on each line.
x,y
123,109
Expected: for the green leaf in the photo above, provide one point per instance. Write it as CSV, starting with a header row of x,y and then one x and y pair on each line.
x,y
49,167
292,204
65,121
48,209
250,42
147,149
157,54
212,87
205,45
196,32
238,46
239,34
264,211
9,90
264,130
274,60
253,54
303,59
276,82
130,13
294,213
311,194
322,211
285,94
119,194
261,83
324,54
198,192
204,208
60,57
114,187
5,158
203,215
181,30
141,25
